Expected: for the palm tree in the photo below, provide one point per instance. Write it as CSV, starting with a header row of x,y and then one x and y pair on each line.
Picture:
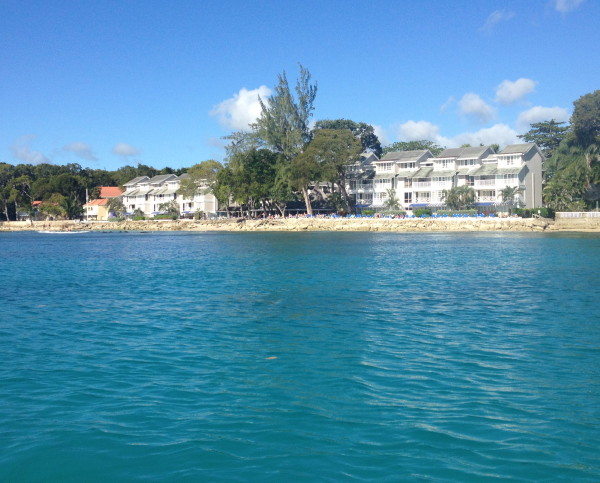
x,y
508,194
116,206
459,197
392,203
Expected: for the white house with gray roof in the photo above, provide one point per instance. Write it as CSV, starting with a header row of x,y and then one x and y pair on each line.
x,y
150,194
419,179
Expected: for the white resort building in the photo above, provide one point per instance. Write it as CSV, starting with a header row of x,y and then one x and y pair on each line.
x,y
149,195
419,178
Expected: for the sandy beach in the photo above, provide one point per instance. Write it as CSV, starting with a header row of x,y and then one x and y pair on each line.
x,y
318,224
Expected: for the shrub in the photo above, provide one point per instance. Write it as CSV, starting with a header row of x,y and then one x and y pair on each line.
x,y
368,212
422,211
138,218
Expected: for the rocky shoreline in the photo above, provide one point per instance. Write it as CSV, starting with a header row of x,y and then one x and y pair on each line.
x,y
306,224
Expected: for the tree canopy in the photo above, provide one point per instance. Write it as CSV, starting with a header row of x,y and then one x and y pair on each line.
x,y
365,132
413,146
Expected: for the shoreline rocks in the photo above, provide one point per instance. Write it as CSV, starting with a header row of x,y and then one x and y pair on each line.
x,y
306,224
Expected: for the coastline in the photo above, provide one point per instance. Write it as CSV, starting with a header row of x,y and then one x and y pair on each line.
x,y
312,224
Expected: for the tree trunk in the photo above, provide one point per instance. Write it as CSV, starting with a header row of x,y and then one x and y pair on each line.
x,y
307,200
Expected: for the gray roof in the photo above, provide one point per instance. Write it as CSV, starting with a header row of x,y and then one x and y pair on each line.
x,y
383,176
474,152
405,155
443,173
450,153
423,172
136,180
161,178
518,148
486,170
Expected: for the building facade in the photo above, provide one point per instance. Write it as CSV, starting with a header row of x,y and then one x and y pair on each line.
x,y
419,179
151,196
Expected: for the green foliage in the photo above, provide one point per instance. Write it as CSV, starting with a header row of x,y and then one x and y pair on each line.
x,y
170,209
365,132
459,197
547,135
508,194
116,206
544,212
283,124
413,146
392,202
201,178
586,118
422,211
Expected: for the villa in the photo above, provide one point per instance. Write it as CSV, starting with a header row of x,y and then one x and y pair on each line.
x,y
419,178
150,195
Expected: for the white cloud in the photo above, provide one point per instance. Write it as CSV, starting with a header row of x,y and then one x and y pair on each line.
x,y
124,149
566,6
497,134
417,130
496,17
508,92
475,107
381,134
22,151
83,150
540,114
242,109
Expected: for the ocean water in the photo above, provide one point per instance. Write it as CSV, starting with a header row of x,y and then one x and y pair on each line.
x,y
299,357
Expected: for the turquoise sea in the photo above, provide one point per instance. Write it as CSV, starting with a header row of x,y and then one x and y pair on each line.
x,y
299,357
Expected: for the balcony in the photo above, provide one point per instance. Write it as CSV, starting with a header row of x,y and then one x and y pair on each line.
x,y
421,184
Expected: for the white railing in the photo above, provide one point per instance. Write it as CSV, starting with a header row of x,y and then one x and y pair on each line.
x,y
485,182
486,199
421,184
578,214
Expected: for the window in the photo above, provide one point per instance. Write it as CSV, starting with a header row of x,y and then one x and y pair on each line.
x,y
386,166
407,198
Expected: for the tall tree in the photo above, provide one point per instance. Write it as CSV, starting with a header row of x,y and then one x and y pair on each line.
x,y
586,118
413,146
201,178
284,120
547,135
333,150
365,132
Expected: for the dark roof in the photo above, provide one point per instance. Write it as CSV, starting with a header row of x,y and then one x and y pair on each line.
x,y
405,155
137,180
518,148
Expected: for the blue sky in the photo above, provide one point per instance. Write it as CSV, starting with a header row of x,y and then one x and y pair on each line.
x,y
110,83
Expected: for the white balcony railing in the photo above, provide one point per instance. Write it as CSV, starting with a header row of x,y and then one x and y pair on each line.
x,y
422,184
485,182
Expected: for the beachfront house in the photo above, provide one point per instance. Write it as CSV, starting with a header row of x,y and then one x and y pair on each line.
x,y
420,179
97,210
151,195
404,172
359,179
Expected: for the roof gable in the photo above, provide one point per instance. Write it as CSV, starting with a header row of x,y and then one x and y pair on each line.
x,y
137,180
404,156
518,148
110,191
